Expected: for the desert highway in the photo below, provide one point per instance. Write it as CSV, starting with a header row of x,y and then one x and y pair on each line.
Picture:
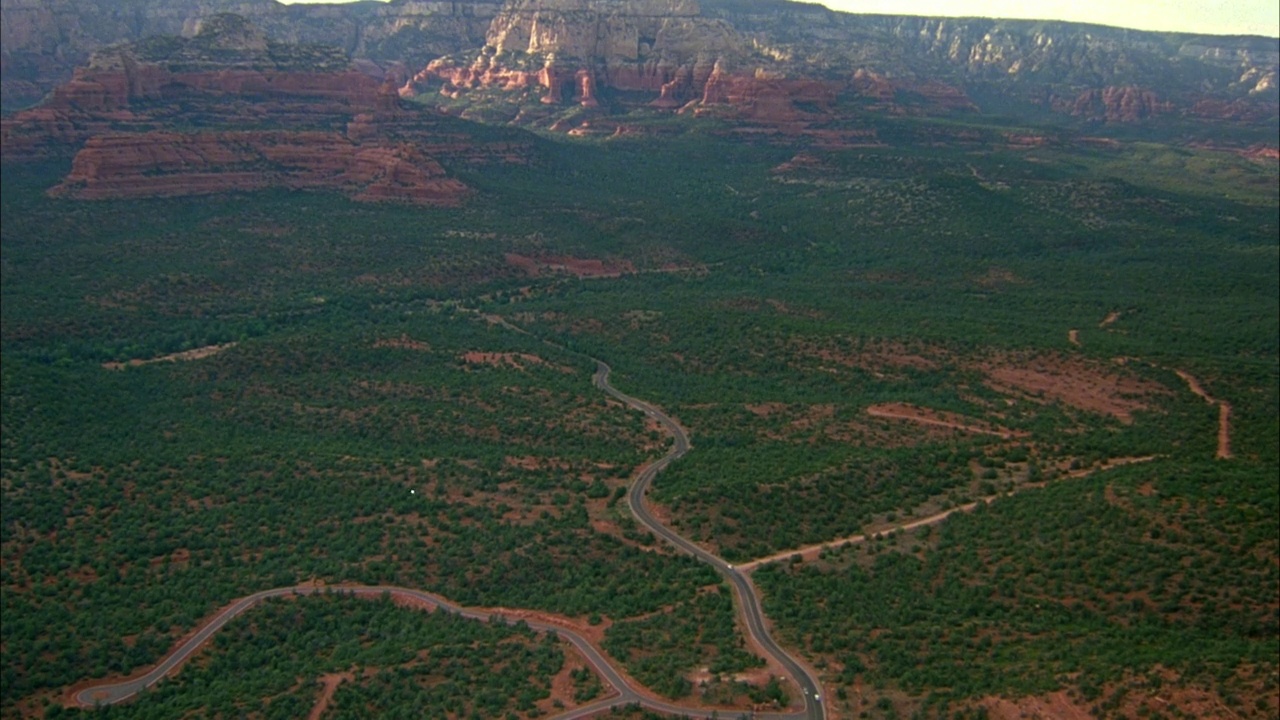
x,y
625,692
748,601
114,693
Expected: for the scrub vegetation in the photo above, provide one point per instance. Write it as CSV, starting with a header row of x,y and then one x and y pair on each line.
x,y
205,398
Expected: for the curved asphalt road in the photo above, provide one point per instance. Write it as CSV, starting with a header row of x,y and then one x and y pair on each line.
x,y
114,693
748,602
626,694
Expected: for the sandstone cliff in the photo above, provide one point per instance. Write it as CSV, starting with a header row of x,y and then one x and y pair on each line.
x,y
43,41
146,85
269,114
756,61
165,164
781,62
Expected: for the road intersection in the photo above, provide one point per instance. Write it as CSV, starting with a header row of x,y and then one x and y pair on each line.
x,y
625,691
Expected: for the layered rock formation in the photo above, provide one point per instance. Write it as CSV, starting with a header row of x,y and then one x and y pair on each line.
x,y
780,62
270,114
164,164
146,85
1117,104
582,65
43,41
594,51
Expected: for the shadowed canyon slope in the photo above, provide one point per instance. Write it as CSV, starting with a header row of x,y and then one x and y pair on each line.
x,y
230,109
787,61
772,60
182,98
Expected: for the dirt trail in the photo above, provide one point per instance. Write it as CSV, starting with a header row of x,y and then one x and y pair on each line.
x,y
330,681
897,411
195,354
1224,413
811,552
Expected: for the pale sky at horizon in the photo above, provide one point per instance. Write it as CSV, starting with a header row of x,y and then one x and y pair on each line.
x,y
1212,17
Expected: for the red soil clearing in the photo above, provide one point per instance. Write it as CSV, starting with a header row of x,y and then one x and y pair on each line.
x,y
519,361
925,416
579,267
1073,382
1056,705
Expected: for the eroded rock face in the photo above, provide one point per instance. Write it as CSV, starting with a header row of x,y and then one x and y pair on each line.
x,y
166,164
567,50
771,99
789,63
654,46
319,123
94,90
42,41
759,63
147,95
1119,104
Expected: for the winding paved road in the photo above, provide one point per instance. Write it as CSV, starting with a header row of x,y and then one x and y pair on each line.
x,y
625,693
114,693
748,601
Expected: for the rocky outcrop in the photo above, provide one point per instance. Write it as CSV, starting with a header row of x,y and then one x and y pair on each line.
x,y
274,115
227,74
43,41
784,63
1117,104
108,90
763,62
145,96
567,49
166,164
764,98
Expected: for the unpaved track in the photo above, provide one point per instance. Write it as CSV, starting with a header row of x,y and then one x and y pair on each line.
x,y
1224,413
811,552
625,692
891,414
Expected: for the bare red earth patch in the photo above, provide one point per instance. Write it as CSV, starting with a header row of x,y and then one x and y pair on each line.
x,y
1054,706
1074,382
330,683
874,356
567,264
939,418
518,361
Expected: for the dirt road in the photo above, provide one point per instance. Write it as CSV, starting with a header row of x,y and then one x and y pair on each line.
x,y
1224,413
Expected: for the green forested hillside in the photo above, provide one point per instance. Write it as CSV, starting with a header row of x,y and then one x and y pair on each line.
x,y
853,337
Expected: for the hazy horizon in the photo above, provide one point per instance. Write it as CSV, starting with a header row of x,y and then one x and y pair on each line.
x,y
1208,17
